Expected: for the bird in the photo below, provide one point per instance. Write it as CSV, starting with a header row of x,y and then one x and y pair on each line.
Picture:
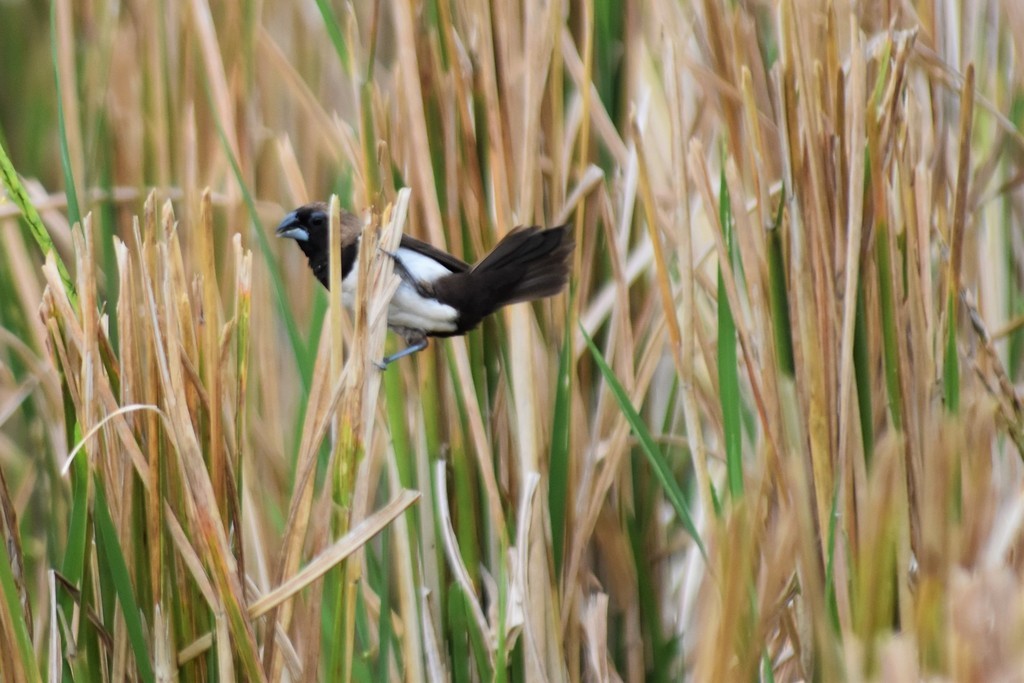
x,y
438,294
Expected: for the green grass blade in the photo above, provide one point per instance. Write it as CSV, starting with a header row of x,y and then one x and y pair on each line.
x,y
728,361
35,223
558,476
371,169
662,469
502,658
459,634
951,361
384,629
467,517
467,513
12,599
1014,291
889,334
73,563
112,559
779,297
610,22
885,62
361,650
830,587
862,376
106,226
74,213
333,28
767,673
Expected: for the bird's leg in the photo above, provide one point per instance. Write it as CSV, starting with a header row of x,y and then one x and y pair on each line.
x,y
415,345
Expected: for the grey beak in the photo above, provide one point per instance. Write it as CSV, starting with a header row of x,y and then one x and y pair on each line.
x,y
292,228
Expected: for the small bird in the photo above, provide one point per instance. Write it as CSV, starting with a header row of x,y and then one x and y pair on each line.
x,y
439,295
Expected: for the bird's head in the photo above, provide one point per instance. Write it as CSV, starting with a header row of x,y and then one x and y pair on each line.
x,y
309,226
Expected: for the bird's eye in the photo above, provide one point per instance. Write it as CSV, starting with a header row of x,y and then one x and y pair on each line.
x,y
318,220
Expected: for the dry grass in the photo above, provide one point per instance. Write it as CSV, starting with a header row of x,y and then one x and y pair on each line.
x,y
773,431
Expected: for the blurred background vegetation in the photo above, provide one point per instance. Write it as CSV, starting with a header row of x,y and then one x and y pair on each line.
x,y
772,431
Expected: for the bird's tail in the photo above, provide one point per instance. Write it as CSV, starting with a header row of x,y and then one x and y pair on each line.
x,y
530,263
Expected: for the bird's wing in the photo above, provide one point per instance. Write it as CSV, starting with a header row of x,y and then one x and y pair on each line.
x,y
444,258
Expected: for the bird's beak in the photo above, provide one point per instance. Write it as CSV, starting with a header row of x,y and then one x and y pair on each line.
x,y
292,227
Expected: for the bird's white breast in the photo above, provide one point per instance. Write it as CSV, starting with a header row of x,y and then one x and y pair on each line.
x,y
408,307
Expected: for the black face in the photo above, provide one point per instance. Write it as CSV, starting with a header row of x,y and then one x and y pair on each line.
x,y
308,226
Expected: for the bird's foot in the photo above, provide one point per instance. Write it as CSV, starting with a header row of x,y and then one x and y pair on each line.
x,y
415,346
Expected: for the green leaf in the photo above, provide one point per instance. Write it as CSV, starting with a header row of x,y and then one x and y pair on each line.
x,y
662,469
779,297
890,341
332,26
112,560
558,475
862,375
12,597
73,563
728,360
74,213
35,224
384,630
951,361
